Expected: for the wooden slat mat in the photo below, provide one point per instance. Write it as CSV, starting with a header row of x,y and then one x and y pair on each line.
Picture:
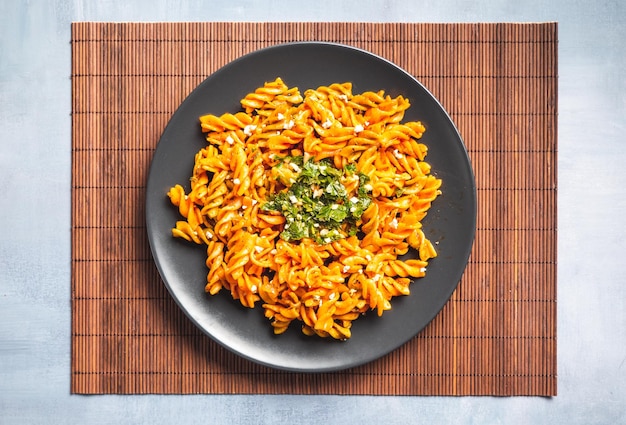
x,y
496,336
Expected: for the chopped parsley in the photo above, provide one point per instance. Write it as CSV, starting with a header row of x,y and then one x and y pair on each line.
x,y
317,205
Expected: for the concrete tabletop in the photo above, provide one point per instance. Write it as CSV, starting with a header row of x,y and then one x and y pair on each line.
x,y
35,160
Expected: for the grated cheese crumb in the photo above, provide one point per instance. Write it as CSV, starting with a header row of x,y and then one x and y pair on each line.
x,y
236,181
247,130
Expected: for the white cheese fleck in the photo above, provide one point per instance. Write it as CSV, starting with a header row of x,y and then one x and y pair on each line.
x,y
295,167
258,248
376,278
327,124
280,116
293,199
254,202
323,232
397,154
253,288
346,269
273,251
423,269
394,223
354,199
247,130
236,181
289,125
358,128
328,240
209,235
368,187
230,139
334,206
332,296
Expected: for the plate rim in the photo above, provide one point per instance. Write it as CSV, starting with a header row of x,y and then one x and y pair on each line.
x,y
471,190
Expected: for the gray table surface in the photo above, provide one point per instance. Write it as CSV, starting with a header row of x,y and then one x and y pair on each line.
x,y
35,131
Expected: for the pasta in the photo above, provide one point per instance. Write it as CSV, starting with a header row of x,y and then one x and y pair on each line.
x,y
307,204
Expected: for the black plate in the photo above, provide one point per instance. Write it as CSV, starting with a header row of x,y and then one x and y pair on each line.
x,y
450,221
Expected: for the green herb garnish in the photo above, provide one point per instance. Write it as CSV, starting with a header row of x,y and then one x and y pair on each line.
x,y
317,204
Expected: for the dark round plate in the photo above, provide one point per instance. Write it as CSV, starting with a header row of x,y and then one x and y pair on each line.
x,y
450,221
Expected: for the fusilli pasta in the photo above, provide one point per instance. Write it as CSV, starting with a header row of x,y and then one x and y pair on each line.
x,y
307,204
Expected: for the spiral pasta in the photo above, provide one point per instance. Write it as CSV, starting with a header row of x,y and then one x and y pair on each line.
x,y
308,203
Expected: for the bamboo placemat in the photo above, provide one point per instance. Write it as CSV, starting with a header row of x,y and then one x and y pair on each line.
x,y
497,334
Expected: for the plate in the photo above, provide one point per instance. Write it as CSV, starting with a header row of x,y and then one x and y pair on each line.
x,y
450,221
